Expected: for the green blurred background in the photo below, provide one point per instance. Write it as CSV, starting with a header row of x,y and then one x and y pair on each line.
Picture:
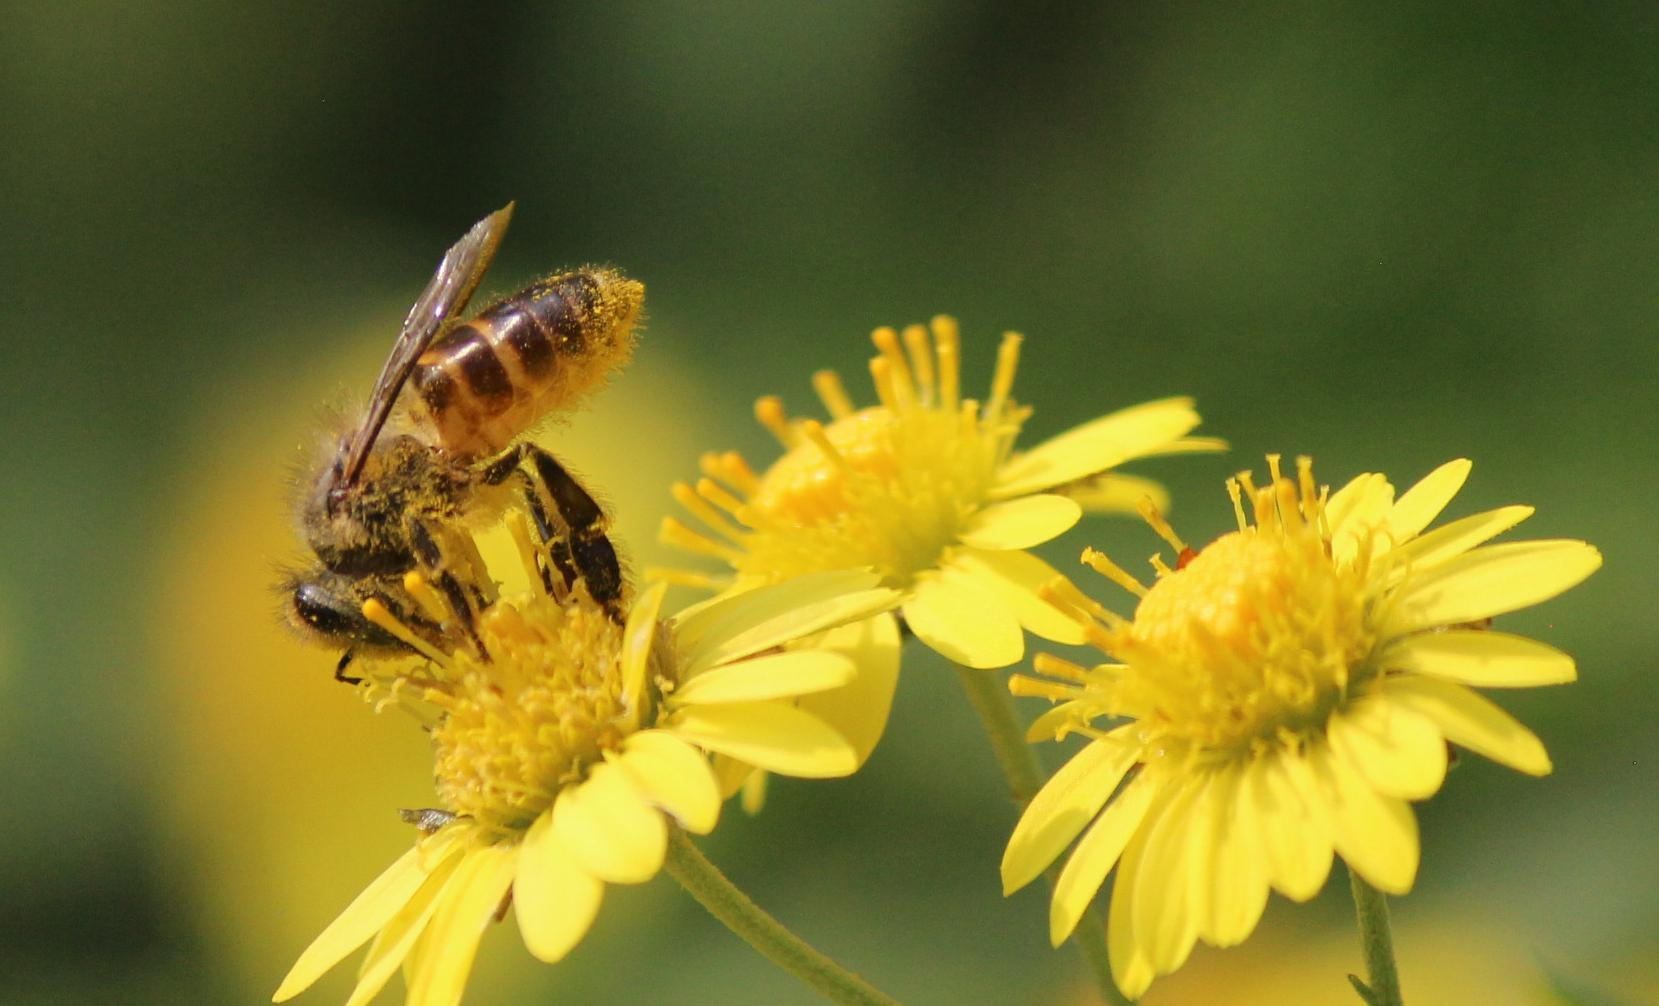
x,y
1385,238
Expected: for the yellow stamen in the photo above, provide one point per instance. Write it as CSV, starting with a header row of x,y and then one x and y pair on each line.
x,y
1290,514
1064,594
1002,382
717,494
948,342
887,341
832,393
881,375
432,603
1155,520
1102,564
688,498
1159,566
519,528
731,469
673,532
1304,478
1059,667
379,615
769,412
921,360
1238,503
813,430
1036,688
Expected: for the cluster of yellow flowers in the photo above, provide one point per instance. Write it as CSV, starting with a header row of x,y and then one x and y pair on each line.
x,y
1276,697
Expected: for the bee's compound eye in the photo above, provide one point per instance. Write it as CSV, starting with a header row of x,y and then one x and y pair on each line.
x,y
337,617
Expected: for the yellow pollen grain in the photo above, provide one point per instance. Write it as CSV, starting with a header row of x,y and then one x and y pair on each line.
x,y
827,383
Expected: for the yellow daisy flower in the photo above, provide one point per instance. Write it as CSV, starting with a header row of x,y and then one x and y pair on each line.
x,y
1287,690
563,750
927,489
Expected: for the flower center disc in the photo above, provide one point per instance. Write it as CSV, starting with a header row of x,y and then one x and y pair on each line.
x,y
1251,638
894,496
520,726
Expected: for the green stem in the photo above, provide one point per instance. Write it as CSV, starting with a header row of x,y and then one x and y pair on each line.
x,y
1018,759
704,881
1383,986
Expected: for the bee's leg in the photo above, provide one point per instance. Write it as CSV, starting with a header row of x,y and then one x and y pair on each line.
x,y
340,674
431,555
582,550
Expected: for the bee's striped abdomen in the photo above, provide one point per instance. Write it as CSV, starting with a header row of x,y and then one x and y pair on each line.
x,y
487,381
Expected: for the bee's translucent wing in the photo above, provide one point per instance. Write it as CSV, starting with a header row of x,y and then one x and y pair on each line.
x,y
445,296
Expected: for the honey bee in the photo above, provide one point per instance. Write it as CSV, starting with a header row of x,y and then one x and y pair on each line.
x,y
404,486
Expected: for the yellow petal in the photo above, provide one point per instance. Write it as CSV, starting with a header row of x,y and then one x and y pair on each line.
x,y
1094,856
1239,873
1131,968
609,828
1490,581
791,625
369,911
1400,752
731,774
555,899
675,776
637,637
1021,522
736,612
1482,658
1116,493
1375,835
1165,923
393,943
1095,446
963,621
771,735
1064,807
1418,506
1473,722
858,711
774,676
1452,540
1295,827
1016,577
470,902
1056,723
1357,506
